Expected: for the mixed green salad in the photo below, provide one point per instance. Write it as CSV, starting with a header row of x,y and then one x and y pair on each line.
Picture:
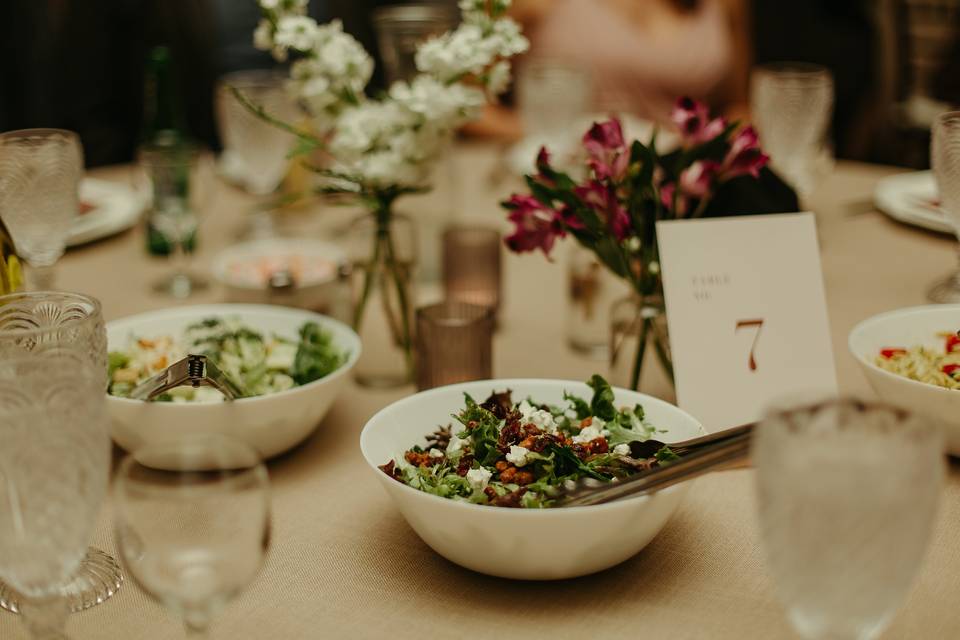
x,y
509,454
256,363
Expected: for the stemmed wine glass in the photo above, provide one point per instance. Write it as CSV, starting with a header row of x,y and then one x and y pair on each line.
x,y
179,180
40,171
945,160
193,523
791,104
54,467
35,323
847,493
259,149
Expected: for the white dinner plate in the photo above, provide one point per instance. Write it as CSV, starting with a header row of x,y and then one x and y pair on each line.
x,y
912,199
116,208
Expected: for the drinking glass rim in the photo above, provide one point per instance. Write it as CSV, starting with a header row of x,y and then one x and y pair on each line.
x,y
947,117
97,311
794,71
39,131
240,474
484,313
245,78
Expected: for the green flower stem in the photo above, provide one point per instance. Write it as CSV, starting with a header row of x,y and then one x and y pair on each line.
x,y
396,270
641,348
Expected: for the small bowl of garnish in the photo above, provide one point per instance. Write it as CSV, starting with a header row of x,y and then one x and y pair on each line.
x,y
477,469
288,364
295,272
911,358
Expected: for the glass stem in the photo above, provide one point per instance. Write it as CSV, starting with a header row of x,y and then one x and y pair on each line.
x,y
42,277
46,618
197,623
180,285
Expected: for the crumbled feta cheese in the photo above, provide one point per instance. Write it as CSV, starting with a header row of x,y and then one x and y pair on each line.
x,y
605,433
525,409
518,455
544,420
622,449
587,434
478,478
455,444
570,414
436,453
597,422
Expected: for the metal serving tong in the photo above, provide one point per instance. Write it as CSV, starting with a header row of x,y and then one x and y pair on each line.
x,y
698,456
194,370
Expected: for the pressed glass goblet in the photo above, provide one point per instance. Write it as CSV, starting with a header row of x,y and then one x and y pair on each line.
x,y
35,323
791,104
193,523
54,467
847,493
945,160
179,179
40,171
262,148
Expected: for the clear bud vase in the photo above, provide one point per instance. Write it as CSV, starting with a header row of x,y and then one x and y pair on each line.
x,y
638,337
383,249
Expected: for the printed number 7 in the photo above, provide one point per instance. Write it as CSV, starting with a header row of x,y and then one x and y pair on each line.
x,y
752,362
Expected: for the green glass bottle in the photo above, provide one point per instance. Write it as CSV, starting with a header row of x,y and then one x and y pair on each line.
x,y
163,127
11,271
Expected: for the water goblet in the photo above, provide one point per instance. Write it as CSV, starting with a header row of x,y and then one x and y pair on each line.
x,y
178,177
193,523
400,29
35,323
40,171
791,104
847,492
54,468
945,160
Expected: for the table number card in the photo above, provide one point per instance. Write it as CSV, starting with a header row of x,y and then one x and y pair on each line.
x,y
747,314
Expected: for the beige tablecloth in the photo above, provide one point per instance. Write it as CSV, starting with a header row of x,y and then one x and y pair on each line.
x,y
344,564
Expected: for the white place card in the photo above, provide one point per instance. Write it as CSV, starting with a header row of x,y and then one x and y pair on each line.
x,y
747,315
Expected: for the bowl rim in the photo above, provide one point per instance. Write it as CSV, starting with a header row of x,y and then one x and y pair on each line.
x,y
879,318
229,307
505,512
226,256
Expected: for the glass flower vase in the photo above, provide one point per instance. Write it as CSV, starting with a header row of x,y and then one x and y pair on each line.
x,y
383,255
638,337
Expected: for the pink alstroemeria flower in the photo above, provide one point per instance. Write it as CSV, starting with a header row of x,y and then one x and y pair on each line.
x,y
693,120
537,225
697,180
607,150
667,191
603,200
745,156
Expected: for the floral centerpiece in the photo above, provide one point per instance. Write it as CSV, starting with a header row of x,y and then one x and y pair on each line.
x,y
379,149
627,188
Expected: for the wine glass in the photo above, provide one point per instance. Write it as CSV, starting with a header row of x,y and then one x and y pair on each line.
x,y
945,160
193,523
178,177
791,104
34,323
54,468
847,493
40,171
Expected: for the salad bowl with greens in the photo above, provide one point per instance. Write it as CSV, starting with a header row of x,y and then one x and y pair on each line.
x,y
289,363
475,469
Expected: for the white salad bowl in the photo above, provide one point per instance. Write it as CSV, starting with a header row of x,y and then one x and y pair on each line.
x,y
271,423
526,544
906,328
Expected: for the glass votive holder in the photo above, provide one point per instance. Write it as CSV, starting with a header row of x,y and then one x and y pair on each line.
x,y
471,265
454,343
